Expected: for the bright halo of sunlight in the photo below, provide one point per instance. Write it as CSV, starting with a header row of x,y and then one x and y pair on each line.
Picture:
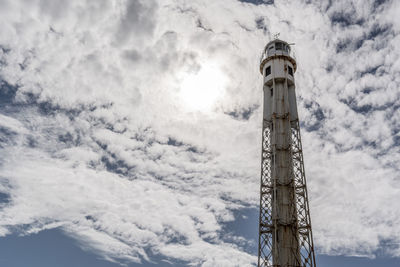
x,y
201,90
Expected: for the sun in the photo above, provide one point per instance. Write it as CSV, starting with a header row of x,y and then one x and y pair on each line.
x,y
200,90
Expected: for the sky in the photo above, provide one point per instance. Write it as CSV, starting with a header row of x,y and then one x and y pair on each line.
x,y
130,131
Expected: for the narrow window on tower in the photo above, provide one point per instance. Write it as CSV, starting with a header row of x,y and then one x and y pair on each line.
x,y
272,91
290,71
267,71
270,50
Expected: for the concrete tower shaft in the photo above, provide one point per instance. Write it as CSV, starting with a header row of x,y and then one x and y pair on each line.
x,y
285,237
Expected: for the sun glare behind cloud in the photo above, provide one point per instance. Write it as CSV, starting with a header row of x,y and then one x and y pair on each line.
x,y
201,90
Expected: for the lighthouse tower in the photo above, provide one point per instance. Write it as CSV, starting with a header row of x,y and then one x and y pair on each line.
x,y
285,236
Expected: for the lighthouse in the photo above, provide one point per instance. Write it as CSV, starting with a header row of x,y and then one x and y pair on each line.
x,y
285,234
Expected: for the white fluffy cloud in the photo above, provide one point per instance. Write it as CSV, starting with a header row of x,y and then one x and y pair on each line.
x,y
96,137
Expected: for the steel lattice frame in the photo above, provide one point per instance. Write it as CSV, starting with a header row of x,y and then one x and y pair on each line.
x,y
267,224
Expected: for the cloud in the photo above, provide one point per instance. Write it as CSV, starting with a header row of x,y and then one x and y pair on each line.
x,y
95,138
137,21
